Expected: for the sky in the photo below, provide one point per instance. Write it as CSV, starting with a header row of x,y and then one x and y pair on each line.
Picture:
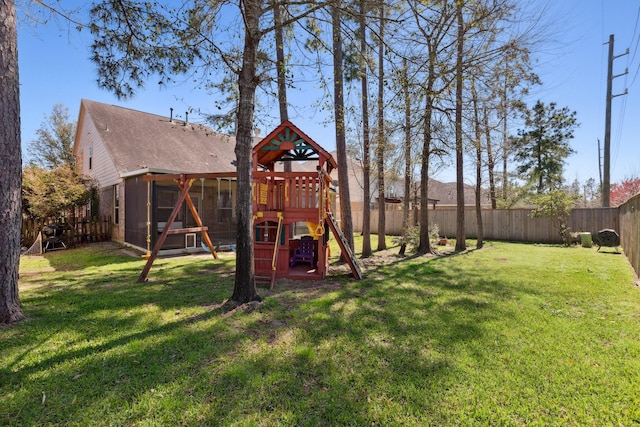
x,y
55,68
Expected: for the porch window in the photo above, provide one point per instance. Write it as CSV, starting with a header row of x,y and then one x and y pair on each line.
x,y
225,205
116,204
166,200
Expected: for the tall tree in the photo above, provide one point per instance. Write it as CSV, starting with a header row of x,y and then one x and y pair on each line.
x,y
281,65
512,78
11,160
407,156
491,162
382,138
478,148
244,289
53,146
460,231
341,143
433,25
541,148
281,73
366,141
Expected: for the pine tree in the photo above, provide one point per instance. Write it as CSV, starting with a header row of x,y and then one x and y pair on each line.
x,y
11,161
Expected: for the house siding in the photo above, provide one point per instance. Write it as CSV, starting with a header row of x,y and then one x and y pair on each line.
x,y
93,161
102,168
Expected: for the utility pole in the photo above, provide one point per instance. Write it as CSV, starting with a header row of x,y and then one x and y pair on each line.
x,y
606,184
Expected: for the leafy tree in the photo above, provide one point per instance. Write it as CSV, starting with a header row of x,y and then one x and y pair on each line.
x,y
592,192
49,193
53,146
624,190
557,205
51,188
541,148
11,161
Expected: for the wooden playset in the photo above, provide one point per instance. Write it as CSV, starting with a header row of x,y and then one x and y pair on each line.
x,y
282,203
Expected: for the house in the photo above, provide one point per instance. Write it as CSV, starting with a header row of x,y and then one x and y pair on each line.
x,y
118,146
146,166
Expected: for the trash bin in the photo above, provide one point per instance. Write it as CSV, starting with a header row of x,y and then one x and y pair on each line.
x,y
585,239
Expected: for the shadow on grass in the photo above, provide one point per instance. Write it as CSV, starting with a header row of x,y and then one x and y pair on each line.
x,y
384,350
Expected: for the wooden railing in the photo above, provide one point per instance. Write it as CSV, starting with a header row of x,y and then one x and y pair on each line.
x,y
278,191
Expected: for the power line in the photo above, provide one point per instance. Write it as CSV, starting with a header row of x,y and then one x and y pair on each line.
x,y
635,49
635,28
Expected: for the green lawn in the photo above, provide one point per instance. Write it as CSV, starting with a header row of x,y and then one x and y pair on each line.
x,y
513,334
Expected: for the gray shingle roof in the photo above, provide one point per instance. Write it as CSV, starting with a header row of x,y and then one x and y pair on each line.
x,y
136,140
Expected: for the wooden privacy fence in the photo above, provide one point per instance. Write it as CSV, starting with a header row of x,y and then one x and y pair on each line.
x,y
500,224
518,224
78,230
630,231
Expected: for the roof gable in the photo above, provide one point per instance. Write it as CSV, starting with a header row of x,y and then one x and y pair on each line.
x,y
288,143
136,140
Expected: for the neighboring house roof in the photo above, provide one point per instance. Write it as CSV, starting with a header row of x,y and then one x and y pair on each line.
x,y
138,141
446,193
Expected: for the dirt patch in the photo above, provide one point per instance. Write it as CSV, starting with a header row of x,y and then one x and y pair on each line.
x,y
337,275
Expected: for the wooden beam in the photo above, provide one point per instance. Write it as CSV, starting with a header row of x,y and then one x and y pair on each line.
x,y
156,248
187,230
187,176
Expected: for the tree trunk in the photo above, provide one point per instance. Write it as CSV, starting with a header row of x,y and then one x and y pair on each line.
x,y
478,147
11,161
382,244
505,136
424,246
281,69
407,157
245,287
282,77
341,145
366,143
460,231
491,163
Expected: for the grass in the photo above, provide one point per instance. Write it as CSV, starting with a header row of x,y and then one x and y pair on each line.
x,y
512,334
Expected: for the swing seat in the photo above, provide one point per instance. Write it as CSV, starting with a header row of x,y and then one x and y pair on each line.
x,y
304,253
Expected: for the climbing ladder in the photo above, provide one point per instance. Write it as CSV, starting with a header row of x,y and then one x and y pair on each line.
x,y
276,250
344,247
274,259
